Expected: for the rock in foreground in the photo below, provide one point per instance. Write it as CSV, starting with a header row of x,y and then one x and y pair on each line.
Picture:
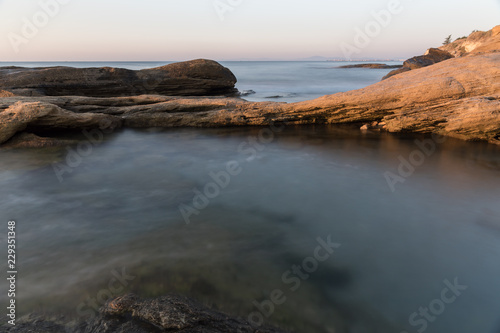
x,y
191,78
132,314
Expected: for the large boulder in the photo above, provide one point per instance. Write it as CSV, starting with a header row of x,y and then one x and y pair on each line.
x,y
191,78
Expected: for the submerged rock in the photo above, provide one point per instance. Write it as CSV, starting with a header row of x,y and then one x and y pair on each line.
x,y
247,92
191,78
132,314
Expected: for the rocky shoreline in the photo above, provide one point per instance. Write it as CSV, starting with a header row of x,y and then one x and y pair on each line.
x,y
459,97
447,92
451,96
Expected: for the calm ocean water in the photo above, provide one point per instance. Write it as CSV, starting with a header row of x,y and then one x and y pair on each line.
x,y
400,252
284,81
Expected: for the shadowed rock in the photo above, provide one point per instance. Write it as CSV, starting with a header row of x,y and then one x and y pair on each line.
x,y
30,140
132,314
191,78
431,57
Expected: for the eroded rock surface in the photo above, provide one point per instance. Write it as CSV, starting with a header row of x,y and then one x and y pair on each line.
x,y
191,78
476,42
132,314
459,97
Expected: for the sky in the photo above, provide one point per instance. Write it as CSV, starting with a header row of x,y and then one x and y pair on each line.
x,y
175,30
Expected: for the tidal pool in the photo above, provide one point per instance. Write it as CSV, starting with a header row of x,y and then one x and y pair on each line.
x,y
112,223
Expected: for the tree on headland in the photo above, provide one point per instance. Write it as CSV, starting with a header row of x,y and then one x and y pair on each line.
x,y
447,40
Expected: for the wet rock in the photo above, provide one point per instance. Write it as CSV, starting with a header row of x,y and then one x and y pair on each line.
x,y
247,92
377,126
132,314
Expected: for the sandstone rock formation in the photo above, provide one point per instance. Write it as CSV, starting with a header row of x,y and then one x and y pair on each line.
x,y
4,93
431,57
459,97
191,78
131,314
476,42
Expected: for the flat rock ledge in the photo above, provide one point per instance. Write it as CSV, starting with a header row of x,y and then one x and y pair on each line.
x,y
459,97
131,314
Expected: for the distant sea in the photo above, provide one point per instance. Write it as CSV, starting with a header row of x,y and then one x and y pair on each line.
x,y
284,81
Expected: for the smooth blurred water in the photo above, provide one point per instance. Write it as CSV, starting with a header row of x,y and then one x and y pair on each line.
x,y
281,81
120,209
300,81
